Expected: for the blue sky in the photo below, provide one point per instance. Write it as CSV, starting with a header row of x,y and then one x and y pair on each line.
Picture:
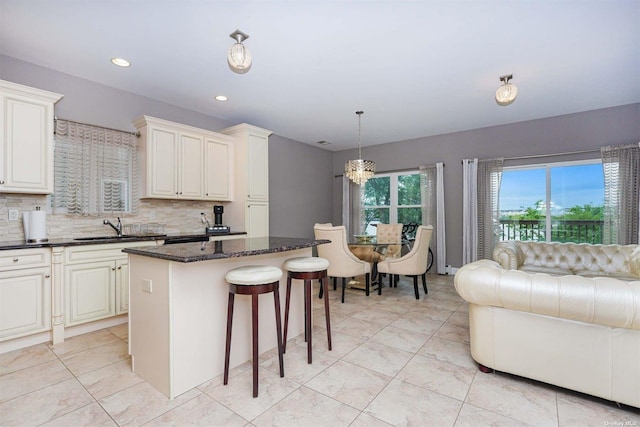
x,y
570,186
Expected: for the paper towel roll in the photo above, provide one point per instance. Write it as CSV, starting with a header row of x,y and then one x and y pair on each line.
x,y
35,226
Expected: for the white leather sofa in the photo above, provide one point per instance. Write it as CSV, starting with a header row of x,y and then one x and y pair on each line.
x,y
587,260
575,332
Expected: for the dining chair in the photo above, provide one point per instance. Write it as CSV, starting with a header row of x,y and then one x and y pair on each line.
x,y
342,263
413,264
389,233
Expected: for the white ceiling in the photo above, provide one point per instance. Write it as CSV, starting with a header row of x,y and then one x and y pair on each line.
x,y
416,68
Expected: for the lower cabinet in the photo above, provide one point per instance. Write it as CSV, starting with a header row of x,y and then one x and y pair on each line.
x,y
25,292
257,219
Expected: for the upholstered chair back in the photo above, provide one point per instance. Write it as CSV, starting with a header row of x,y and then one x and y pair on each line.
x,y
415,262
342,263
389,233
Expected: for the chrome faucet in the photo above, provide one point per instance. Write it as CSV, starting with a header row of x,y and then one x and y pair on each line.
x,y
118,227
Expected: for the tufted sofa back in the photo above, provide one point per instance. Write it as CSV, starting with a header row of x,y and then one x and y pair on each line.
x,y
581,256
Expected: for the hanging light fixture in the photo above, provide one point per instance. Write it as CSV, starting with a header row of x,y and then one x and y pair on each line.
x,y
359,171
239,57
506,93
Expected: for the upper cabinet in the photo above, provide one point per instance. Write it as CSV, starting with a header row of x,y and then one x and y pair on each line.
x,y
183,162
26,139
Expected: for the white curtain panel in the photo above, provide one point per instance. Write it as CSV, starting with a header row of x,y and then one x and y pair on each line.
x,y
469,210
428,198
352,217
621,167
441,261
489,179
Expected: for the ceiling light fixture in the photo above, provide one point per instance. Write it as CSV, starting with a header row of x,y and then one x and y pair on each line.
x,y
359,171
239,57
506,93
120,62
221,98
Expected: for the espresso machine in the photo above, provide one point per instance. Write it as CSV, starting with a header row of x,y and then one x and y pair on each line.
x,y
217,227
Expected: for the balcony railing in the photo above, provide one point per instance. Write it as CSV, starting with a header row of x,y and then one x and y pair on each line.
x,y
561,230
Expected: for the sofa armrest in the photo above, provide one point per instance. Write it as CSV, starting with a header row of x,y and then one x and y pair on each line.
x,y
509,255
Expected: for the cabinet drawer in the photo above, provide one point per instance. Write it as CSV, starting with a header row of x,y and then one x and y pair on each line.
x,y
24,258
113,251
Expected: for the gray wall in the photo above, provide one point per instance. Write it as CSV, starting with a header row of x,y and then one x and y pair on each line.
x,y
299,175
573,132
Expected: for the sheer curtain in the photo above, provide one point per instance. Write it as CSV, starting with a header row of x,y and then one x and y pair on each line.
x,y
351,211
480,208
621,167
94,170
432,196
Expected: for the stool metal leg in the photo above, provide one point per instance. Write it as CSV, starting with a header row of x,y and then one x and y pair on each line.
x,y
254,334
227,351
286,314
276,302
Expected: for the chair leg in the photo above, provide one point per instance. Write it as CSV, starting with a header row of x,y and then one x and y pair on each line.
x,y
335,281
254,344
326,315
307,317
424,283
276,303
227,350
321,290
390,280
415,286
286,314
367,279
344,285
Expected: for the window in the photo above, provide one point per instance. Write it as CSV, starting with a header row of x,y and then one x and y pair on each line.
x,y
94,170
391,198
557,202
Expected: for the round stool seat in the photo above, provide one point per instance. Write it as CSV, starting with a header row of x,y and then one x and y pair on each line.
x,y
306,264
253,275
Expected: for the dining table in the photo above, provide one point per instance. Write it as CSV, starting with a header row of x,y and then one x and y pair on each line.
x,y
370,249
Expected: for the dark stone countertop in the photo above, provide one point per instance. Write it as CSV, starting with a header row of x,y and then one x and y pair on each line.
x,y
21,244
204,251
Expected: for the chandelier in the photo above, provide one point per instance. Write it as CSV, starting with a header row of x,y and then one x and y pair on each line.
x,y
359,171
506,93
239,57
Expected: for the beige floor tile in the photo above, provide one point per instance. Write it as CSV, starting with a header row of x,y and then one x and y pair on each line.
x,y
366,420
34,378
121,331
512,397
296,367
111,379
471,416
91,415
442,377
85,342
400,338
414,323
357,328
305,407
449,351
374,315
201,410
404,404
378,357
575,409
350,384
341,344
429,312
44,405
140,403
454,333
25,358
96,357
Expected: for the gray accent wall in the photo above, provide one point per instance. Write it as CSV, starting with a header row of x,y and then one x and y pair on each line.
x,y
589,130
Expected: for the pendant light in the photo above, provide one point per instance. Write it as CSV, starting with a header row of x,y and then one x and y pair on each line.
x,y
506,93
239,57
359,171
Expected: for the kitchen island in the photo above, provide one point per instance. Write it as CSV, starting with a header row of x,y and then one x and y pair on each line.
x,y
178,308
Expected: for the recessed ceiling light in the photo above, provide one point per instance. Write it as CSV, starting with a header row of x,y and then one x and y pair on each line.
x,y
120,62
221,98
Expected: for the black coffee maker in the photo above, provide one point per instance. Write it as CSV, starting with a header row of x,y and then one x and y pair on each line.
x,y
217,227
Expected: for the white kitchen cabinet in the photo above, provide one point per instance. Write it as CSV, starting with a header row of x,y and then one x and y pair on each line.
x,y
25,292
183,162
251,178
26,139
96,282
218,169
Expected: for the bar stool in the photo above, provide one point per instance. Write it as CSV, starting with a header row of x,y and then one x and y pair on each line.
x,y
253,280
307,269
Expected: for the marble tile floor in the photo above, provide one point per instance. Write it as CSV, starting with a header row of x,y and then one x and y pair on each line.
x,y
396,361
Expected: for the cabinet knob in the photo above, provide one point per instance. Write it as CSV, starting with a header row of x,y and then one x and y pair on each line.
x,y
120,268
113,269
47,276
16,259
1,182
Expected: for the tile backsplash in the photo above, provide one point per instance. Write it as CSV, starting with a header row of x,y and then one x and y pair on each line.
x,y
177,216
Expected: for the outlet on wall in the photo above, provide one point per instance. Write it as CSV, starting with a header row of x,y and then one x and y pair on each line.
x,y
13,214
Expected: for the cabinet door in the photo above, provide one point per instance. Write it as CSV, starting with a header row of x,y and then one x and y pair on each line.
x,y
191,167
89,292
257,219
219,170
25,302
27,162
122,286
258,173
162,179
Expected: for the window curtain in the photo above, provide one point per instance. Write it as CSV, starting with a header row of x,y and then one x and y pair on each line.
x,y
621,167
432,197
480,209
94,170
352,217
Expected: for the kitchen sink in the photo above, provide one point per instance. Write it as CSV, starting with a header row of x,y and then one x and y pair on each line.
x,y
125,237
